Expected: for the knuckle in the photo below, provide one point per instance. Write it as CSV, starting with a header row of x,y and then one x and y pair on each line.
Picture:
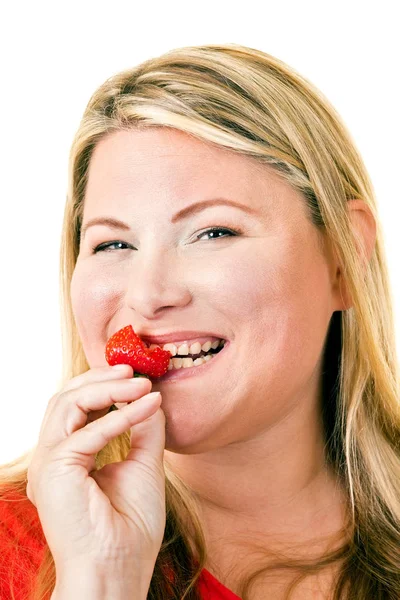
x,y
94,430
76,381
83,378
69,397
126,422
63,395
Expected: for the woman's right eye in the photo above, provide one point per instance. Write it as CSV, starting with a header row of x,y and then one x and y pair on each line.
x,y
106,247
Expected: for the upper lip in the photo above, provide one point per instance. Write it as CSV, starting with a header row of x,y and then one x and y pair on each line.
x,y
177,336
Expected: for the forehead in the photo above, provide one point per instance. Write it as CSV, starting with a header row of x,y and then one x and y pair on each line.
x,y
138,151
164,166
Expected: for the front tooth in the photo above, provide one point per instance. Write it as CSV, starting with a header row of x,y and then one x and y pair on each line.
x,y
206,346
171,348
177,362
195,348
183,349
187,362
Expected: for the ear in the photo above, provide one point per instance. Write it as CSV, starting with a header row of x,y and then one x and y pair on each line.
x,y
364,227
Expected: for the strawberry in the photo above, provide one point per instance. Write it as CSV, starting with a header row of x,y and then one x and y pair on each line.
x,y
126,347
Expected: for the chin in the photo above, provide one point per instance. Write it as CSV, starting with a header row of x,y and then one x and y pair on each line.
x,y
189,437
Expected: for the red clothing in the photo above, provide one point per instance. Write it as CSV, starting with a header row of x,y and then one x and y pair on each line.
x,y
22,545
212,589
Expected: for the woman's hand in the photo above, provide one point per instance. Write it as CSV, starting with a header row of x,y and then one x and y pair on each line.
x,y
114,517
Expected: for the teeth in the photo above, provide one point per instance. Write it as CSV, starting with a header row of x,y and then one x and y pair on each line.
x,y
198,361
185,363
195,348
184,348
170,347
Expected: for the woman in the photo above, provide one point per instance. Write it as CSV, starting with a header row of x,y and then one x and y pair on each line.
x,y
216,198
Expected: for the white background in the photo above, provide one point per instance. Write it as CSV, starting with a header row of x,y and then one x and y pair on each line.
x,y
53,57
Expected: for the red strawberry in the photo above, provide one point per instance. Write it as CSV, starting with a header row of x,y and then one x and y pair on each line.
x,y
126,347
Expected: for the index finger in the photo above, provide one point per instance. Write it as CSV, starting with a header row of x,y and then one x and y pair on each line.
x,y
99,374
94,375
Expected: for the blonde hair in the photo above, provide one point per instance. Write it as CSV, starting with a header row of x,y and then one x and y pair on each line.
x,y
252,103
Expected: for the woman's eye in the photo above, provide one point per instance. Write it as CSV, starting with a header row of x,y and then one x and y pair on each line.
x,y
106,247
214,231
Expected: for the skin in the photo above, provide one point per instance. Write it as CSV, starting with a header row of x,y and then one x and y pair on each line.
x,y
247,436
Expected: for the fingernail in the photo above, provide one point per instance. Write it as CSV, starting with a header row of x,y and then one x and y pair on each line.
x,y
119,367
154,395
137,379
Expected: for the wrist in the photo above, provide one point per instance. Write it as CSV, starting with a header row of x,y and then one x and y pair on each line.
x,y
101,583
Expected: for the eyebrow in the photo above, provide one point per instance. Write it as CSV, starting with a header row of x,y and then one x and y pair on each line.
x,y
184,213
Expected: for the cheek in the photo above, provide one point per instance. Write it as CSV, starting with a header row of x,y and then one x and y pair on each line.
x,y
257,281
93,300
278,295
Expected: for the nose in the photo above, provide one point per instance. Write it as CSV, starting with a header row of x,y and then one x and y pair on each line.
x,y
157,282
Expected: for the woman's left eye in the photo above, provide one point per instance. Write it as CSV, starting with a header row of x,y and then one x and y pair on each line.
x,y
213,232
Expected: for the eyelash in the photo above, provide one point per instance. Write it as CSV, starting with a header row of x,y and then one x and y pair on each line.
x,y
106,246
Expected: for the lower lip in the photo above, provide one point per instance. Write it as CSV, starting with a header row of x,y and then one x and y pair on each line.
x,y
175,374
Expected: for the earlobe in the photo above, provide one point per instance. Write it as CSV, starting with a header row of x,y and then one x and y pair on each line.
x,y
364,227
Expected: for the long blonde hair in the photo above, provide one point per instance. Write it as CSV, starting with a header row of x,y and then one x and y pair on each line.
x,y
254,104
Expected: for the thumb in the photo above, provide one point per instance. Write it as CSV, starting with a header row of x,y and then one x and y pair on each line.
x,y
148,437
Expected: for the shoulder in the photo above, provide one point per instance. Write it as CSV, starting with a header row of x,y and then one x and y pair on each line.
x,y
22,542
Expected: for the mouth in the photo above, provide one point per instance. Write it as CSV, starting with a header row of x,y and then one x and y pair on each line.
x,y
194,349
181,367
202,353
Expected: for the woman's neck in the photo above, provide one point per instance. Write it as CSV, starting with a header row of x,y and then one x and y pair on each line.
x,y
273,493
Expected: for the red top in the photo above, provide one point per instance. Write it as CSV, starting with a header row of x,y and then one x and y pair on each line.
x,y
212,589
22,545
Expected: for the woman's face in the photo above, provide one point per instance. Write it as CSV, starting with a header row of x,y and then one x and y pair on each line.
x,y
269,290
